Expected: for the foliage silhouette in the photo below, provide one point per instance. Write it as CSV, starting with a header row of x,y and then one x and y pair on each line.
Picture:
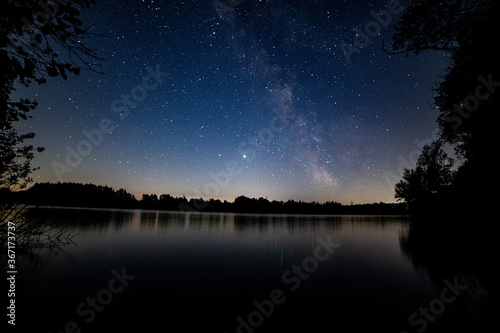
x,y
431,178
467,96
30,33
89,195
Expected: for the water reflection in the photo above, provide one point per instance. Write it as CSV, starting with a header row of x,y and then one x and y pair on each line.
x,y
113,220
460,254
204,271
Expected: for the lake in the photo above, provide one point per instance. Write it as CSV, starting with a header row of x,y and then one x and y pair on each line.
x,y
167,271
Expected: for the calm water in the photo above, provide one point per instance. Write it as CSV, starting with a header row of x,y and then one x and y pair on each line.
x,y
159,271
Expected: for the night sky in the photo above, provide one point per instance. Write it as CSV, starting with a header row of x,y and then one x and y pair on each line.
x,y
253,98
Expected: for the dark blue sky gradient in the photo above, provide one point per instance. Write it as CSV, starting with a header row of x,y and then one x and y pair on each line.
x,y
257,100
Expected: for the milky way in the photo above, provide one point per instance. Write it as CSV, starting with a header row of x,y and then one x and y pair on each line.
x,y
255,98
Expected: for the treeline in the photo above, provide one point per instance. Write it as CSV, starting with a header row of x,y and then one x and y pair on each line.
x,y
71,195
97,196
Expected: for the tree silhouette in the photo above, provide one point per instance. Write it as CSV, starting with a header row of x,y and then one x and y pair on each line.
x,y
431,177
467,97
99,196
467,29
30,33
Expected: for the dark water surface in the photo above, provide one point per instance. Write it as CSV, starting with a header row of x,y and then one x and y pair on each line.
x,y
148,271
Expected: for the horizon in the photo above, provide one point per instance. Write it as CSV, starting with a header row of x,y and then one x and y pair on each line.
x,y
138,197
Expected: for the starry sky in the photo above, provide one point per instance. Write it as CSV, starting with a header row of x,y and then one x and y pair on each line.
x,y
220,99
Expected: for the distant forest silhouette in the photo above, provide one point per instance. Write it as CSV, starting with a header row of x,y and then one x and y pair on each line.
x,y
98,196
